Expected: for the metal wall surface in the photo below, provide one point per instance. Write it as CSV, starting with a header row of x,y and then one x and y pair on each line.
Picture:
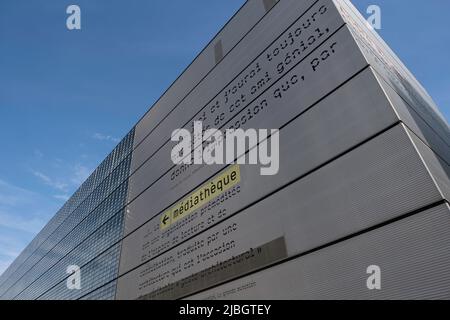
x,y
345,62
229,36
151,159
363,177
381,180
381,49
358,148
413,254
415,122
337,123
393,71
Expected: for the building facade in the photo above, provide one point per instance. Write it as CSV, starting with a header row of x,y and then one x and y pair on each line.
x,y
358,210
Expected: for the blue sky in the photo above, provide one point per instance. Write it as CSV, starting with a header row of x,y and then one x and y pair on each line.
x,y
67,97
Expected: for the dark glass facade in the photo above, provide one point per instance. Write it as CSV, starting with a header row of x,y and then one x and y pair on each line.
x,y
85,232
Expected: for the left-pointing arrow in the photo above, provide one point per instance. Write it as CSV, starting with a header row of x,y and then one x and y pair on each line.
x,y
166,221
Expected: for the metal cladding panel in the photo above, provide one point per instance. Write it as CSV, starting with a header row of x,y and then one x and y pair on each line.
x,y
158,145
415,122
394,72
353,17
239,49
345,62
438,168
230,35
337,123
245,68
380,180
413,255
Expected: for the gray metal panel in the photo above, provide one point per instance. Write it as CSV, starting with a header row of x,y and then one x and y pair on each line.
x,y
285,12
337,123
380,180
155,167
414,122
413,254
438,168
218,51
403,88
249,260
379,45
395,74
343,64
268,4
236,28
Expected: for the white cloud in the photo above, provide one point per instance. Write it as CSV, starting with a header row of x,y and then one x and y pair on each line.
x,y
51,182
23,213
21,223
10,248
103,137
79,174
63,197
75,176
22,209
8,199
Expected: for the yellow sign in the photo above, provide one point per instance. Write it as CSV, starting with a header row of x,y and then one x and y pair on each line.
x,y
201,196
166,220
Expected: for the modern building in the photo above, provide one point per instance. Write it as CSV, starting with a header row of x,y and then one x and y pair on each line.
x,y
358,210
